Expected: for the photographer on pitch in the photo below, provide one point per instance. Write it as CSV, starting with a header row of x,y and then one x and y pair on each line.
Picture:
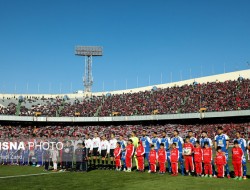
x,y
81,156
67,155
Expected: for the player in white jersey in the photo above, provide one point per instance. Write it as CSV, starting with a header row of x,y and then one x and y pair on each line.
x,y
104,149
89,146
95,144
112,143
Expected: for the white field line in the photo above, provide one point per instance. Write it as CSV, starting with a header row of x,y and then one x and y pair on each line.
x,y
6,177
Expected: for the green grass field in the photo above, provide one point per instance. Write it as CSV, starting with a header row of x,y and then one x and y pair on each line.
x,y
102,179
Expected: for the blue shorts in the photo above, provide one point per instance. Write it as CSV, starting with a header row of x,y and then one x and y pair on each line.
x,y
146,156
180,158
123,155
226,154
244,161
168,155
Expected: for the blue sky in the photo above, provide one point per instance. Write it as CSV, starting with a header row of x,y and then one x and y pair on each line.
x,y
141,38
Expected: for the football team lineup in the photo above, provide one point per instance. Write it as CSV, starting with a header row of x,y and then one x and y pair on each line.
x,y
196,157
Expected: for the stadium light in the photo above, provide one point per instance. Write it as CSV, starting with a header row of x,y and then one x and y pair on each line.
x,y
88,52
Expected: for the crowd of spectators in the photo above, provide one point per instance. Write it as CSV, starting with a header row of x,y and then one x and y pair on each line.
x,y
85,108
9,110
213,96
76,132
216,96
49,108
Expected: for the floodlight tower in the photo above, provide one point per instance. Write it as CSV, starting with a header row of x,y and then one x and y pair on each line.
x,y
88,52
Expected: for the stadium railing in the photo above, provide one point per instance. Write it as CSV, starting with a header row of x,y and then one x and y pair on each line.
x,y
239,113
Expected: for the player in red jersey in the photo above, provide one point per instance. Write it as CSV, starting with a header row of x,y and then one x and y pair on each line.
x,y
207,160
174,158
117,155
162,157
237,155
187,152
198,158
152,159
220,162
140,151
129,154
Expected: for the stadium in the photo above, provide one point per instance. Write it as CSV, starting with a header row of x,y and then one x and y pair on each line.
x,y
221,100
107,139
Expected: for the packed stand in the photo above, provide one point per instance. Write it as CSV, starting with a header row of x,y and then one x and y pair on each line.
x,y
84,108
216,96
213,96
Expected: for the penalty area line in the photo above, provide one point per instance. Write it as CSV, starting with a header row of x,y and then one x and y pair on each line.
x,y
27,175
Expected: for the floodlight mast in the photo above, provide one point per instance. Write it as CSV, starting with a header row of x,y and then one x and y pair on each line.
x,y
88,52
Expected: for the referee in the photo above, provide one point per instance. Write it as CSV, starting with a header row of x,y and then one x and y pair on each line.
x,y
104,150
96,144
89,146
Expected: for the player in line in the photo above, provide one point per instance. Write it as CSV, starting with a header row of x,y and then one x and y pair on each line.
x,y
123,145
178,144
198,159
174,159
112,145
243,145
140,152
166,142
237,159
104,150
96,145
146,143
187,153
222,140
135,141
117,156
89,146
207,160
129,155
205,139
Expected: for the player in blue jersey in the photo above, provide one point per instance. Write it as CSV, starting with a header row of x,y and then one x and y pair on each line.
x,y
156,141
179,142
192,138
123,145
166,141
243,145
146,143
204,138
222,140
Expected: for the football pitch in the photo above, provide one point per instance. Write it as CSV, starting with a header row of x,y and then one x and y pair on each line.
x,y
27,177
